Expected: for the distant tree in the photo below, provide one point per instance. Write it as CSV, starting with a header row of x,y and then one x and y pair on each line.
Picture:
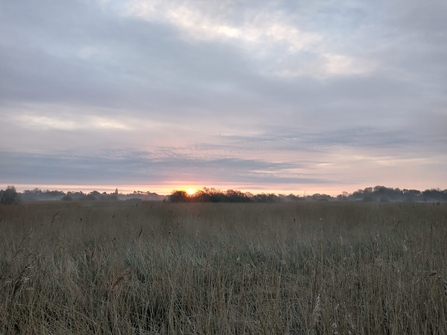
x,y
320,197
368,197
357,195
292,197
236,196
112,196
381,191
266,198
10,196
434,194
67,197
91,196
368,190
96,194
178,196
343,196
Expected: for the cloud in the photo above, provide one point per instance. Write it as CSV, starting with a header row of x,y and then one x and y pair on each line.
x,y
326,91
260,30
138,167
44,123
269,34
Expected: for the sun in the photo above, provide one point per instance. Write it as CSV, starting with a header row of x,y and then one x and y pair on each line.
x,y
191,191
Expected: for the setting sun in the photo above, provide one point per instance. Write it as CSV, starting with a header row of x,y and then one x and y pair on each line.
x,y
191,191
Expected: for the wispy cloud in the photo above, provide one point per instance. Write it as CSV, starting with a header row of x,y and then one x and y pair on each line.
x,y
268,33
46,122
259,30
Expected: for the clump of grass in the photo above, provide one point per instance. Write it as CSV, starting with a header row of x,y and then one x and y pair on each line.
x,y
159,268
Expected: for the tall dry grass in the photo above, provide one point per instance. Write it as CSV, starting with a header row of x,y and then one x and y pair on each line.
x,y
159,268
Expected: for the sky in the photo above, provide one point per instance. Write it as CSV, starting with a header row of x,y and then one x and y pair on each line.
x,y
264,96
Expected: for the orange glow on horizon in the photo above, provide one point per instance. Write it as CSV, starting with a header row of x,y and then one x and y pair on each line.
x,y
191,191
168,188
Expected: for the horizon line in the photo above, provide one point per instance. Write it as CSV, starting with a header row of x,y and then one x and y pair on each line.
x,y
163,191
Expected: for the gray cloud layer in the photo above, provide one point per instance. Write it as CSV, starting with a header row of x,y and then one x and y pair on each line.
x,y
237,92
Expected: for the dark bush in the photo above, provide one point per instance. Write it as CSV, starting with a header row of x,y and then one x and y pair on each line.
x,y
10,196
178,196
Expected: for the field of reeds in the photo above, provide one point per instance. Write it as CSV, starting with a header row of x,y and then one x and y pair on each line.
x,y
163,268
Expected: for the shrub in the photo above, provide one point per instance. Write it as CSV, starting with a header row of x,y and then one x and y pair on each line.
x,y
10,196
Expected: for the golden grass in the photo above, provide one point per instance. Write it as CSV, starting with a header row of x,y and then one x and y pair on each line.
x,y
160,268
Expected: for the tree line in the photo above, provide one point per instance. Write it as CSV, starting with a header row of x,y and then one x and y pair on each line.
x,y
11,196
378,193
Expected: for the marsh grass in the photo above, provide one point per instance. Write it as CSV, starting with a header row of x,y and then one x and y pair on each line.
x,y
160,268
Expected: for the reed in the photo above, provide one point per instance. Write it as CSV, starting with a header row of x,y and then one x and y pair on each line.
x,y
161,268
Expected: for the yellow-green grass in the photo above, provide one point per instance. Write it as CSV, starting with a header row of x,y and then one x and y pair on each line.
x,y
161,268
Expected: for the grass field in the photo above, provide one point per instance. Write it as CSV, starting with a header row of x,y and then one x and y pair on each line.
x,y
161,268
